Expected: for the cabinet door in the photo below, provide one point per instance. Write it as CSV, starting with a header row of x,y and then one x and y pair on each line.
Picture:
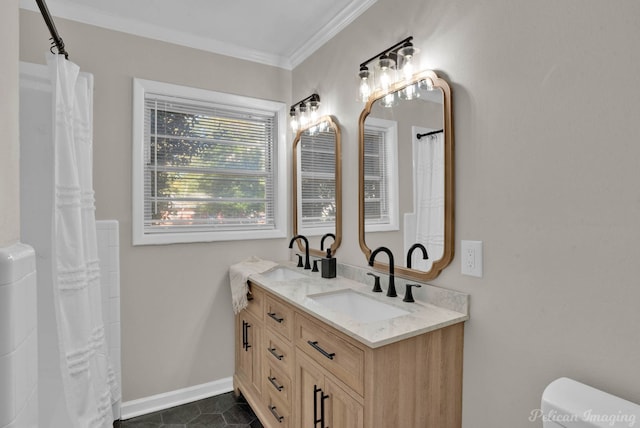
x,y
248,344
342,410
308,400
321,400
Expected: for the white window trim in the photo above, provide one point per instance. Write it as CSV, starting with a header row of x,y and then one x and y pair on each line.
x,y
390,128
140,87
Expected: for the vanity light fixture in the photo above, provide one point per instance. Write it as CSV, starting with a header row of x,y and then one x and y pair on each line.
x,y
299,118
391,65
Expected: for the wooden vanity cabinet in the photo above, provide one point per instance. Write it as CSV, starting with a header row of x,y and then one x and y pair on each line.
x,y
306,371
248,356
263,371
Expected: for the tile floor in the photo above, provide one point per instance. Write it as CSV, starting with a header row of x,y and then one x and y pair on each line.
x,y
221,411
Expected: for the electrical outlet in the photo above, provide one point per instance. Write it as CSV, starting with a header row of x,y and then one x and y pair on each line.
x,y
471,258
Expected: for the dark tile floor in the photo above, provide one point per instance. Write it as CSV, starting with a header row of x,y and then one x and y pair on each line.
x,y
221,411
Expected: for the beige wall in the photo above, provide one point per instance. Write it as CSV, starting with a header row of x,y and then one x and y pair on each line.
x,y
9,146
546,99
177,322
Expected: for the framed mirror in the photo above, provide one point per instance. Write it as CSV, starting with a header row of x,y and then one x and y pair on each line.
x,y
317,185
406,176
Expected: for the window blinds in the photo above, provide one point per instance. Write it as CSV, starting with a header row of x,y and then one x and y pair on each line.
x,y
207,166
318,179
376,177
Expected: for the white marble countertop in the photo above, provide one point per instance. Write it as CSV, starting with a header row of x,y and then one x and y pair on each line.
x,y
423,316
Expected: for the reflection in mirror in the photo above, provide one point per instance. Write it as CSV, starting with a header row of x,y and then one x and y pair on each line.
x,y
317,185
406,137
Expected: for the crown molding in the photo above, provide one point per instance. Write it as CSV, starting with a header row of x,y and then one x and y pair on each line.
x,y
333,27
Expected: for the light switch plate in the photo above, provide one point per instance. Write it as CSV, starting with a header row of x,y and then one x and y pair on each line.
x,y
471,259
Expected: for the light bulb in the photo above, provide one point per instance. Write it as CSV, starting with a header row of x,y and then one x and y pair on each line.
x,y
385,72
294,120
365,87
313,111
407,60
407,68
304,118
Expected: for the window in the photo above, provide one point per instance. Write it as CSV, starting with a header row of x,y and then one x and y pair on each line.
x,y
317,183
206,166
380,175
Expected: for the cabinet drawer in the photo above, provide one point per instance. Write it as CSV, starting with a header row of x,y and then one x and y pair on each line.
x,y
279,412
278,384
279,317
278,353
344,360
256,301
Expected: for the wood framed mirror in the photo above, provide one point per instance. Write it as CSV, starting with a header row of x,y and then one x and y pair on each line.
x,y
317,185
406,137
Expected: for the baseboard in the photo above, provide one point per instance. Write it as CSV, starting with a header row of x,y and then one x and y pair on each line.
x,y
154,403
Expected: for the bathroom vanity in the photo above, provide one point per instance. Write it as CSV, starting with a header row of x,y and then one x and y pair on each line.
x,y
305,359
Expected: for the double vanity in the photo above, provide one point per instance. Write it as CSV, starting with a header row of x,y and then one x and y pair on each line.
x,y
323,352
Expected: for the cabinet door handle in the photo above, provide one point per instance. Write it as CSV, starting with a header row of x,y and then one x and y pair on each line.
x,y
275,317
322,351
316,420
275,385
247,346
322,398
275,414
244,335
275,354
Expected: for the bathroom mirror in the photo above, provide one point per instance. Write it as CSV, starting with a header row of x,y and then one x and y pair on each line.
x,y
317,185
406,176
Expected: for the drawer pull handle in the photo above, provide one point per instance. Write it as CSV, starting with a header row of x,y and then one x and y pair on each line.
x,y
275,385
273,315
275,354
275,414
322,351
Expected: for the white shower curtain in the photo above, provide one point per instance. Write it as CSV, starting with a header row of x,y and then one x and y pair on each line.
x,y
89,382
429,194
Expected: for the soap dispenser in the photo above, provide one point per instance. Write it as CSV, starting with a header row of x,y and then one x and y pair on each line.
x,y
329,266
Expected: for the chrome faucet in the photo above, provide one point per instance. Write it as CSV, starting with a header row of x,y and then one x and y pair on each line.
x,y
410,253
391,291
307,265
324,237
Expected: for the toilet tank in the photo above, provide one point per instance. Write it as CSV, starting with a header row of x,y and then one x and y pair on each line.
x,y
567,403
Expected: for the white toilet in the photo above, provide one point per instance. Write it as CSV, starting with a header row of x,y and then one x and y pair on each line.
x,y
570,404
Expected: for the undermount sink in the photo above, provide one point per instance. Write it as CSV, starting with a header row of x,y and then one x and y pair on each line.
x,y
282,274
357,306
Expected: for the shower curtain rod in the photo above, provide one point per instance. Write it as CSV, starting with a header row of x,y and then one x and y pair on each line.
x,y
55,37
426,134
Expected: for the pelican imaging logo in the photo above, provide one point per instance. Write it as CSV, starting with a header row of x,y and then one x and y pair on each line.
x,y
611,419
